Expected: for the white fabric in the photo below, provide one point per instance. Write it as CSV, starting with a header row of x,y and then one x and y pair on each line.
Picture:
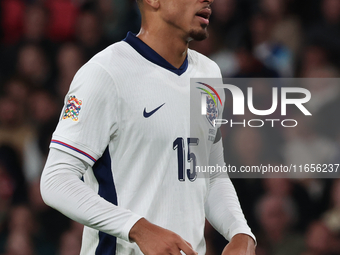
x,y
222,207
115,87
63,189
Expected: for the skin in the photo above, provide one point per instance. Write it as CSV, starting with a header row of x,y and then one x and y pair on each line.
x,y
167,27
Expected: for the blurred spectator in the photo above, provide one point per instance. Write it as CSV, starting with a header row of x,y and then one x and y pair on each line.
x,y
306,10
229,22
22,220
285,28
35,30
33,66
19,243
271,52
12,177
18,89
276,215
326,124
216,49
319,240
70,59
118,17
248,144
249,65
36,202
69,244
44,111
323,85
332,216
304,145
35,23
6,194
89,34
63,16
44,107
326,32
296,193
318,191
12,12
246,147
13,129
70,241
13,189
313,57
23,236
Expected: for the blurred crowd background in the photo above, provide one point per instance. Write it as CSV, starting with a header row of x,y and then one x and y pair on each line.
x,y
44,43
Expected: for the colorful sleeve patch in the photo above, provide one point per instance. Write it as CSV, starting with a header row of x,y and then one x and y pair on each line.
x,y
73,108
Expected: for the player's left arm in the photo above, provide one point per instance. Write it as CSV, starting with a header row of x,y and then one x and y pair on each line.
x,y
223,209
222,206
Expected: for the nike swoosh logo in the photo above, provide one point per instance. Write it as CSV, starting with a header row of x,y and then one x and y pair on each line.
x,y
149,114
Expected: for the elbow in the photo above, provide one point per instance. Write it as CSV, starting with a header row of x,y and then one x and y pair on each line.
x,y
46,190
43,189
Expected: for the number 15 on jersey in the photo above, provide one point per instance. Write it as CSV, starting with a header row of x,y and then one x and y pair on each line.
x,y
180,147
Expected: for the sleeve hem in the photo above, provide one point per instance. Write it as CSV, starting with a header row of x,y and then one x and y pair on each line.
x,y
75,149
245,231
128,225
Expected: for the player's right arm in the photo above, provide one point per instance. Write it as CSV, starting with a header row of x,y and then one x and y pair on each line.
x,y
62,188
88,121
82,136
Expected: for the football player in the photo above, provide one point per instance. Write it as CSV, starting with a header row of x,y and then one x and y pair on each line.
x,y
118,157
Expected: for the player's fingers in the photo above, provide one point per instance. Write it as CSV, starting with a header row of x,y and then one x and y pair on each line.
x,y
186,248
177,252
189,244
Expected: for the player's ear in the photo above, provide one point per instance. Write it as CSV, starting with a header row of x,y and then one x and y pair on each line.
x,y
153,3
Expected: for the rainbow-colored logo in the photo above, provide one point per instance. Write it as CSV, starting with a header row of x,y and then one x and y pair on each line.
x,y
73,108
209,93
209,107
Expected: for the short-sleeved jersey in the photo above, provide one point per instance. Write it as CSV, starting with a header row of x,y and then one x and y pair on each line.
x,y
127,114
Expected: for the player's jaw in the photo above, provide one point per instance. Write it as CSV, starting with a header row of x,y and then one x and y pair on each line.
x,y
198,30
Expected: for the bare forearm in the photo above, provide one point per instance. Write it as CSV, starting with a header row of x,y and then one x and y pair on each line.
x,y
154,240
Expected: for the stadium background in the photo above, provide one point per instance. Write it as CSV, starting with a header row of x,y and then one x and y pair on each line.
x,y
43,44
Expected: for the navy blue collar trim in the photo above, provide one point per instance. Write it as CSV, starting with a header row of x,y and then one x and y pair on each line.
x,y
151,55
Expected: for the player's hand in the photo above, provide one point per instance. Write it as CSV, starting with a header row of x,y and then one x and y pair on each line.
x,y
154,240
240,245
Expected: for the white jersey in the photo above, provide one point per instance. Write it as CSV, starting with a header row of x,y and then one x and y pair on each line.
x,y
129,126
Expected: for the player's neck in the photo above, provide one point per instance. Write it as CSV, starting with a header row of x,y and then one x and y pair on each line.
x,y
172,48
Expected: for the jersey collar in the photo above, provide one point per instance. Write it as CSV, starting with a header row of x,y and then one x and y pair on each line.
x,y
151,55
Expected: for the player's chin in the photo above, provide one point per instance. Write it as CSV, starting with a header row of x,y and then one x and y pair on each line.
x,y
199,34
